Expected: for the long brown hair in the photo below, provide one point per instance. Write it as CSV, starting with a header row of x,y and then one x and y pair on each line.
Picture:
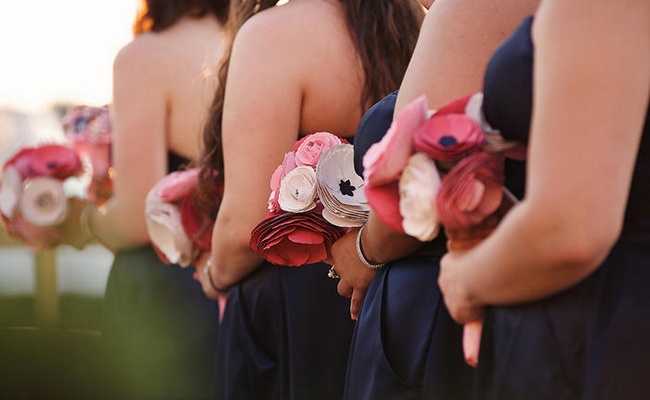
x,y
158,15
384,33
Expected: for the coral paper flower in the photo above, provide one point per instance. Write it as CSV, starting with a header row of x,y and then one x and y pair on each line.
x,y
295,239
49,160
448,137
471,191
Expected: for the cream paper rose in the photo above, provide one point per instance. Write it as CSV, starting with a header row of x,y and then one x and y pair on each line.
x,y
298,190
418,187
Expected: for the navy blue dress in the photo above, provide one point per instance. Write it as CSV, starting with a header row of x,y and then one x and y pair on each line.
x,y
160,328
405,345
590,341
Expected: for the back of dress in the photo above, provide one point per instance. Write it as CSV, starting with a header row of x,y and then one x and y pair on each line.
x,y
589,341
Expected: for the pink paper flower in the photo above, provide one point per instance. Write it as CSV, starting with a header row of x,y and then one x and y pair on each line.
x,y
471,191
295,239
309,148
384,160
49,160
448,137
35,237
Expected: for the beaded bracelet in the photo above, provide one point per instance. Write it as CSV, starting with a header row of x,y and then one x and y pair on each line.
x,y
362,257
206,271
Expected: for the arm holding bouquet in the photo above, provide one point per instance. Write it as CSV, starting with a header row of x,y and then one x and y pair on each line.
x,y
448,62
545,245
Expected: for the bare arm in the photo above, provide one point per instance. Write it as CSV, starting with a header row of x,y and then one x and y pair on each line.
x,y
591,96
261,122
456,41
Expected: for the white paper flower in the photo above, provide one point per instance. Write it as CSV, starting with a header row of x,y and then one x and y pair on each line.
x,y
418,187
10,188
340,189
43,201
167,234
298,190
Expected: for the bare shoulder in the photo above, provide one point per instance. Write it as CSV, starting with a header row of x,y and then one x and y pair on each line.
x,y
295,30
138,55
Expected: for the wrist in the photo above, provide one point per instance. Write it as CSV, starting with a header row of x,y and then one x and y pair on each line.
x,y
208,274
370,264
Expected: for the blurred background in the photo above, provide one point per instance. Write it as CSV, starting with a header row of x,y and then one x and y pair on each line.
x,y
53,55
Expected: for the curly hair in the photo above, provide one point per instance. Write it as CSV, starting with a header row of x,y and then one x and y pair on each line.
x,y
384,33
158,15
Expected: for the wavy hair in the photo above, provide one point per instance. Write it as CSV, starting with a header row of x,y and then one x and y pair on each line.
x,y
384,33
158,15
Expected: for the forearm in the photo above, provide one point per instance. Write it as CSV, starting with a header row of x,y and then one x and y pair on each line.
x,y
381,244
116,227
528,257
232,257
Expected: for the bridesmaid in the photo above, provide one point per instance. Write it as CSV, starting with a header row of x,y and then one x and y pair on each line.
x,y
160,329
293,69
405,345
566,273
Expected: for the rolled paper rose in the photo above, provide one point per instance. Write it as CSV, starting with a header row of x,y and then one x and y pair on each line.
x,y
10,189
298,190
471,191
308,149
448,137
295,239
167,234
384,160
418,187
43,201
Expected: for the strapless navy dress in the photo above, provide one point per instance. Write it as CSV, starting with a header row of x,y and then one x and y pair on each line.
x,y
285,335
405,344
160,329
590,341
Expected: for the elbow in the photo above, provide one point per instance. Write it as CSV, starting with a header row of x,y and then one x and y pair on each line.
x,y
583,248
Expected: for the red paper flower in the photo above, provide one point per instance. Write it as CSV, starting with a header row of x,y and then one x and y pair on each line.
x,y
50,161
471,191
295,239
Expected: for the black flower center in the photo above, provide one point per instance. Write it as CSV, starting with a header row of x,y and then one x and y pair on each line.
x,y
347,188
51,165
447,141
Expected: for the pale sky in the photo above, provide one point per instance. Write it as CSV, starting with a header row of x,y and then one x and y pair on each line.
x,y
60,50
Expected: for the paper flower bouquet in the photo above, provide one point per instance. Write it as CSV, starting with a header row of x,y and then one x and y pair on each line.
x,y
33,195
441,167
89,130
178,230
315,197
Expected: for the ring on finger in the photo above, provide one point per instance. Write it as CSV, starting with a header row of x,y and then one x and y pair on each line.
x,y
332,273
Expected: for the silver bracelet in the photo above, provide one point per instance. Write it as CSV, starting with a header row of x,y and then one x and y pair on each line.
x,y
206,271
362,257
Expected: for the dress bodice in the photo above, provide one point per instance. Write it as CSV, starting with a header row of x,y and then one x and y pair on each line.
x,y
507,105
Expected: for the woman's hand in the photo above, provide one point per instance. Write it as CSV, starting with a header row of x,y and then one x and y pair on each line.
x,y
461,305
355,276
